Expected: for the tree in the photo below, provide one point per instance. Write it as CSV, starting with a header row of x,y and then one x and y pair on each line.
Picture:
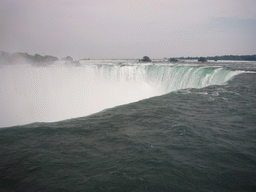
x,y
202,59
173,60
68,58
146,59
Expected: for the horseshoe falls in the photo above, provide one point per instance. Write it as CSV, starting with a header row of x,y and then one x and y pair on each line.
x,y
121,125
46,94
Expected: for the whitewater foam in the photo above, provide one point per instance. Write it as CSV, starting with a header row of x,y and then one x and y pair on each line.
x,y
32,94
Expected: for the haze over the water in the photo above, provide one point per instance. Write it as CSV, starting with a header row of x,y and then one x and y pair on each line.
x,y
128,29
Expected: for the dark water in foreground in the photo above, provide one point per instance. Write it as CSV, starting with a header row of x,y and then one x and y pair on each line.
x,y
188,140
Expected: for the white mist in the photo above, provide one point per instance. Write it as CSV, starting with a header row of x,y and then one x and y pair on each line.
x,y
45,94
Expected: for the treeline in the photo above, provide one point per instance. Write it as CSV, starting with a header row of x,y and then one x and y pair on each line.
x,y
234,57
226,57
15,58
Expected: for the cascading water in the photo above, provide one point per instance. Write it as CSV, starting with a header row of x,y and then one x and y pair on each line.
x,y
31,94
167,78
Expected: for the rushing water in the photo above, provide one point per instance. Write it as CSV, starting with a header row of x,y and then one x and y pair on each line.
x,y
192,127
46,94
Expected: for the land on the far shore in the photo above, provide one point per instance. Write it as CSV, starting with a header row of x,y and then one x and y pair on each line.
x,y
18,57
225,57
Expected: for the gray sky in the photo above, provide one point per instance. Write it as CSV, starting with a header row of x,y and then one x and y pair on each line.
x,y
128,28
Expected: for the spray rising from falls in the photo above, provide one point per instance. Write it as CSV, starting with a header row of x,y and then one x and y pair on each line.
x,y
32,94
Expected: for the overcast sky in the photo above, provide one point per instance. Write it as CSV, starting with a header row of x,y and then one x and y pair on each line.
x,y
128,28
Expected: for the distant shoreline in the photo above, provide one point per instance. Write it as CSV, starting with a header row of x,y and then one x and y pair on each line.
x,y
224,57
13,58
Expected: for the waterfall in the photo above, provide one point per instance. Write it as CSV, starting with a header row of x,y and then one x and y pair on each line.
x,y
32,94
